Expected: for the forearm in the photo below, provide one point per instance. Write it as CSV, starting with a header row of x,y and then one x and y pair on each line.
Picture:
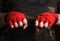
x,y
58,20
2,22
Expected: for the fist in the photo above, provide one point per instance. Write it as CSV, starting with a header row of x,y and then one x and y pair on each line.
x,y
16,19
46,19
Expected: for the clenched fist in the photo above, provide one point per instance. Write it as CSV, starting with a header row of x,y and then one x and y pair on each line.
x,y
46,19
16,19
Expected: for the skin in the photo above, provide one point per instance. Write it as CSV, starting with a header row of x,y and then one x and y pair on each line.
x,y
58,22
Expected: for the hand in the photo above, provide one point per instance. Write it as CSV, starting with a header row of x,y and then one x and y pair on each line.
x,y
46,19
16,19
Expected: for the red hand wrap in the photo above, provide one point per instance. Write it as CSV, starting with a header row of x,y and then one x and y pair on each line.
x,y
14,16
47,17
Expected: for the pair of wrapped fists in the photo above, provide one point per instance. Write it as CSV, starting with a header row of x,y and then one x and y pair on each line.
x,y
18,19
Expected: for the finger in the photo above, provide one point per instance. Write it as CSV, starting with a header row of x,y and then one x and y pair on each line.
x,y
21,23
11,24
36,23
37,29
25,23
41,24
25,26
16,24
19,20
42,20
50,25
38,18
46,25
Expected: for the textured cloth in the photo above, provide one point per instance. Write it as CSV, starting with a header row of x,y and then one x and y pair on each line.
x,y
29,7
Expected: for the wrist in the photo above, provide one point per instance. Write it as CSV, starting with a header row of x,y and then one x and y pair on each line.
x,y
58,19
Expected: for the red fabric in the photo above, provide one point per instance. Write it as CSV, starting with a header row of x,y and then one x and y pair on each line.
x,y
15,17
47,17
